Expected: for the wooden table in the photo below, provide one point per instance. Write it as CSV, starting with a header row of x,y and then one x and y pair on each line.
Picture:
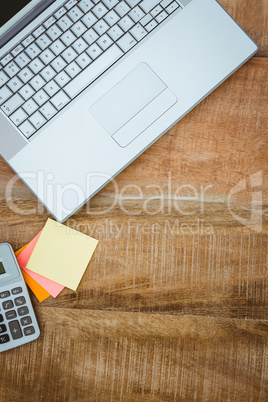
x,y
174,304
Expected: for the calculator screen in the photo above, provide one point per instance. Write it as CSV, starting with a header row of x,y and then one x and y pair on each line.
x,y
2,269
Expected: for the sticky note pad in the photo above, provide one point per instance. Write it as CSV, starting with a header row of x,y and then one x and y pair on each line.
x,y
37,289
62,254
50,286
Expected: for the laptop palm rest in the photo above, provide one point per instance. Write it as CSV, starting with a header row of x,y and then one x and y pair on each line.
x,y
133,104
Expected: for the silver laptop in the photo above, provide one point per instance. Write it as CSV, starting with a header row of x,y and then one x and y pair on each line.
x,y
87,85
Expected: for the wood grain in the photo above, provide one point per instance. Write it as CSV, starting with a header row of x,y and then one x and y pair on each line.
x,y
174,304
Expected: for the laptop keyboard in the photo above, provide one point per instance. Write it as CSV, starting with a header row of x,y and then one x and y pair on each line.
x,y
65,54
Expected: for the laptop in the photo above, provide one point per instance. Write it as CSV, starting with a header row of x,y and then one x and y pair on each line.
x,y
88,85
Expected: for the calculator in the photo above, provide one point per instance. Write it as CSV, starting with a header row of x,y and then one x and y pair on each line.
x,y
18,324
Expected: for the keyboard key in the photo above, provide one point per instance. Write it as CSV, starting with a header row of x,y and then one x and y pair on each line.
x,y
22,60
37,82
57,47
11,69
27,129
132,3
3,328
105,41
60,100
58,64
155,11
33,51
91,72
48,73
111,18
101,27
1,318
94,51
69,55
160,17
26,92
62,78
50,21
30,106
4,294
85,5
146,19
25,75
138,31
80,45
3,78
165,3
100,10
43,41
126,23
136,14
126,42
38,31
68,38
48,110
83,60
110,3
172,7
90,36
54,32
65,23
12,104
15,330
18,117
5,60
11,314
51,88
5,93
40,97
26,321
4,338
36,65
37,120
28,40
46,56
75,14
89,19
17,50
73,69
149,27
122,8
147,5
16,291
19,301
29,331
70,4
7,304
78,29
58,14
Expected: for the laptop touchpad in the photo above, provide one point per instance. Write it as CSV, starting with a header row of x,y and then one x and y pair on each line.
x,y
133,104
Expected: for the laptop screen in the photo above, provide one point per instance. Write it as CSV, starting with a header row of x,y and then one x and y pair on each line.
x,y
13,8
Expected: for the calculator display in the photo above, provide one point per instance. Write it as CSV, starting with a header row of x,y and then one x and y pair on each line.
x,y
2,269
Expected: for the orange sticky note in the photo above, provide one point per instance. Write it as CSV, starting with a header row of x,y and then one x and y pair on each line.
x,y
39,292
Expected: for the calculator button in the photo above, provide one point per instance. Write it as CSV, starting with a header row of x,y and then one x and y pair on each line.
x,y
15,291
11,314
19,301
7,305
4,338
23,311
1,318
15,330
4,294
29,331
26,321
3,328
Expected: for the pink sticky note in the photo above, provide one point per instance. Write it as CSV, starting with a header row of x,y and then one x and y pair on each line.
x,y
51,287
